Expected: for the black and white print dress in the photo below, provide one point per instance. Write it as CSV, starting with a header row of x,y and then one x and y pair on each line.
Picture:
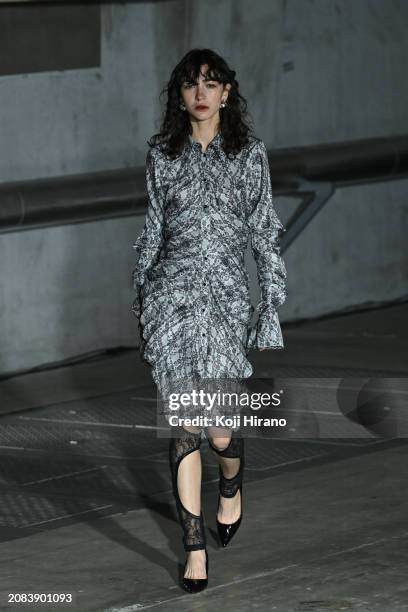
x,y
192,287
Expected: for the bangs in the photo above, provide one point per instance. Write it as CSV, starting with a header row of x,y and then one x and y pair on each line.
x,y
191,72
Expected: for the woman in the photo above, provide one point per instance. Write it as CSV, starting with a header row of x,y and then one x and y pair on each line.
x,y
209,188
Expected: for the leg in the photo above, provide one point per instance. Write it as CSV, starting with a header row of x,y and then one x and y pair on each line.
x,y
185,464
229,452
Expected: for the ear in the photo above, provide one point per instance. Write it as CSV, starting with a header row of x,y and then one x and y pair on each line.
x,y
226,89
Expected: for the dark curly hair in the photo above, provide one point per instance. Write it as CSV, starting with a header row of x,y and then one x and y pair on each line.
x,y
176,126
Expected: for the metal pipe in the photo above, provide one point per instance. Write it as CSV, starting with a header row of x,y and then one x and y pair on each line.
x,y
80,198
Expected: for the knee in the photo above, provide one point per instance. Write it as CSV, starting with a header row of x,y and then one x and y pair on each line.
x,y
191,429
220,443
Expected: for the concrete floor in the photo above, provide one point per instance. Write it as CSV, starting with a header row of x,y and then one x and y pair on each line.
x,y
86,505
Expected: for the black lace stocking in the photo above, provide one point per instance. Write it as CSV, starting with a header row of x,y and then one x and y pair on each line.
x,y
192,524
229,486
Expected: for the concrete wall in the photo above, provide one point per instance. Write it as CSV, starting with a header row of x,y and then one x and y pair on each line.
x,y
56,123
313,71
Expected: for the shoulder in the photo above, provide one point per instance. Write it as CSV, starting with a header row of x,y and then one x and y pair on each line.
x,y
155,153
256,146
156,160
254,150
250,150
257,154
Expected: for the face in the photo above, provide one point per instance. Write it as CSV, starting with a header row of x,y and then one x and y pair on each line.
x,y
206,93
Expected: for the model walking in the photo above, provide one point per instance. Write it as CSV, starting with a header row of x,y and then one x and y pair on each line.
x,y
209,188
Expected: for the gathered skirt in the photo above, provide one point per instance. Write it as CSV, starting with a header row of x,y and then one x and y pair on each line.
x,y
194,345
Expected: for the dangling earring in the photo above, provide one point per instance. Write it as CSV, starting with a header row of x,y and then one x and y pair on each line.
x,y
223,104
182,106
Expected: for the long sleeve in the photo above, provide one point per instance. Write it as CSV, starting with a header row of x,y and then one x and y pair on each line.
x,y
265,227
149,243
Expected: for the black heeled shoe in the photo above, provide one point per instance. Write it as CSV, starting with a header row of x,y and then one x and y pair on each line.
x,y
227,531
229,487
195,585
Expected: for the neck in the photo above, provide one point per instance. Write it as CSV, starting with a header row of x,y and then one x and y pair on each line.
x,y
205,133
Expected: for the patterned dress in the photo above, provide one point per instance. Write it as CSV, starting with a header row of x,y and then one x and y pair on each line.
x,y
192,288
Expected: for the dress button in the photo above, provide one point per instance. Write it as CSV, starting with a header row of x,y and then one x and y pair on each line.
x,y
203,334
203,310
205,257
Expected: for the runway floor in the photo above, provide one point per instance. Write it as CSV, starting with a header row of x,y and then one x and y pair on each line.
x,y
86,505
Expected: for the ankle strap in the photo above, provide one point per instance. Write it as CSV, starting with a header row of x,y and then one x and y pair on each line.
x,y
228,487
195,532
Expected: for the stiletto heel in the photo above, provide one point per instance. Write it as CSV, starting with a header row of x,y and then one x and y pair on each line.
x,y
229,487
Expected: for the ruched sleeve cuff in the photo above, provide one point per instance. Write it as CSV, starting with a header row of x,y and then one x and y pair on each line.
x,y
267,332
148,245
265,228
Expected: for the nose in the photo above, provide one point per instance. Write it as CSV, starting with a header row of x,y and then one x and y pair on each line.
x,y
199,92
